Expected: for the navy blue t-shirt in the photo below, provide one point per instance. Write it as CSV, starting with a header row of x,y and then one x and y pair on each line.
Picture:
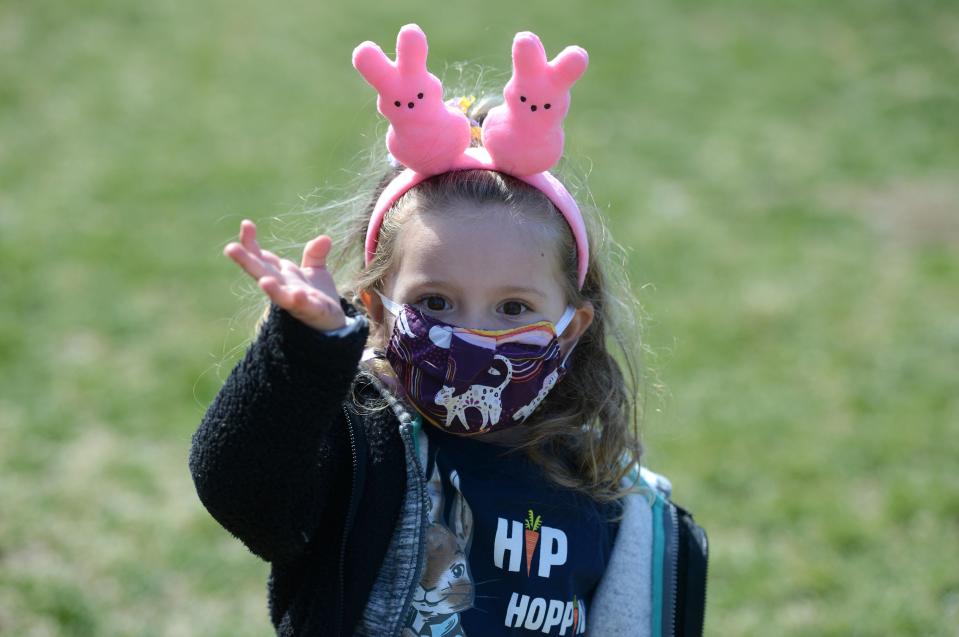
x,y
508,551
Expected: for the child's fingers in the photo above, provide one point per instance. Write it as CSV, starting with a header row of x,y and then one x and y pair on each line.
x,y
296,300
276,291
300,299
315,252
250,264
248,237
290,297
271,258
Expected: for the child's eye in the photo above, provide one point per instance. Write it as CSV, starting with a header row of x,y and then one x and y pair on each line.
x,y
434,303
514,308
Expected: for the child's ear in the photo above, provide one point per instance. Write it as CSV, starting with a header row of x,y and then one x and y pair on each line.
x,y
373,305
582,319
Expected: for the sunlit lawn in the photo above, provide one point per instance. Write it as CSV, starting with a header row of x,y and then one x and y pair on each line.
x,y
784,174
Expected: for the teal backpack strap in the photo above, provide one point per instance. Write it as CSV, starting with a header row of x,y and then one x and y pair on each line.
x,y
657,490
420,441
679,562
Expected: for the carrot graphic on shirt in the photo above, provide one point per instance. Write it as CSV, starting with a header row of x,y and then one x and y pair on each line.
x,y
532,525
575,613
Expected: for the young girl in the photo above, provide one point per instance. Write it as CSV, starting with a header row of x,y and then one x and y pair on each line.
x,y
449,452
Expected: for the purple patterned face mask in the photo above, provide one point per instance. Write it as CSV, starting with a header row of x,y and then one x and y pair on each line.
x,y
474,381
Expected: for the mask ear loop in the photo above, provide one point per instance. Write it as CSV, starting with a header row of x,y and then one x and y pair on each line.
x,y
391,306
564,320
561,326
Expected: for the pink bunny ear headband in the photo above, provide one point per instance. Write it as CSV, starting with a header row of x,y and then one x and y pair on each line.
x,y
523,137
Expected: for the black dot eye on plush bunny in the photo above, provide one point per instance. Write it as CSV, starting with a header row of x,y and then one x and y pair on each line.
x,y
411,103
445,442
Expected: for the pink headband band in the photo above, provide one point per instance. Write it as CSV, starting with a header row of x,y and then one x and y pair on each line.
x,y
523,137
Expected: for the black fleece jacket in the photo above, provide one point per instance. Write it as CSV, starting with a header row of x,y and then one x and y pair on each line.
x,y
273,463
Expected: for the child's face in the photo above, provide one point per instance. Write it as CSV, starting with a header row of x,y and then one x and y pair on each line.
x,y
486,270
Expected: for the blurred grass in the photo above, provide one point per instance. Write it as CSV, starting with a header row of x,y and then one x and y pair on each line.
x,y
785,174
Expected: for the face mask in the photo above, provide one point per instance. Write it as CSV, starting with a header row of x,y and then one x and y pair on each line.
x,y
474,381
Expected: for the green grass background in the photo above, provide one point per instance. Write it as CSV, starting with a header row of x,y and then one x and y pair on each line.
x,y
785,174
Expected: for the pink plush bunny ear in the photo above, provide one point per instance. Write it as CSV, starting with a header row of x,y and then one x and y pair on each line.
x,y
380,71
529,55
373,65
524,135
569,65
411,50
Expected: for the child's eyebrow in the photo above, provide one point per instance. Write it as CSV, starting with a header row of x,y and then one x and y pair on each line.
x,y
506,290
418,286
519,289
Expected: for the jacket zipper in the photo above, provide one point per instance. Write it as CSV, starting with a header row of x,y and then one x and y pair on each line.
x,y
705,584
406,430
347,527
675,566
692,554
695,548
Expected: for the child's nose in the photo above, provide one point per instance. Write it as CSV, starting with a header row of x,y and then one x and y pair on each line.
x,y
465,318
478,320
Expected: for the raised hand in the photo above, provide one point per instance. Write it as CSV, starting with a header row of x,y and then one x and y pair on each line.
x,y
306,291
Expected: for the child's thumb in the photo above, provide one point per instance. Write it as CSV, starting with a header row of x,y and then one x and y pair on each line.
x,y
315,252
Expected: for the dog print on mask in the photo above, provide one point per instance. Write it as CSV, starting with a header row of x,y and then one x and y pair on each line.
x,y
484,398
